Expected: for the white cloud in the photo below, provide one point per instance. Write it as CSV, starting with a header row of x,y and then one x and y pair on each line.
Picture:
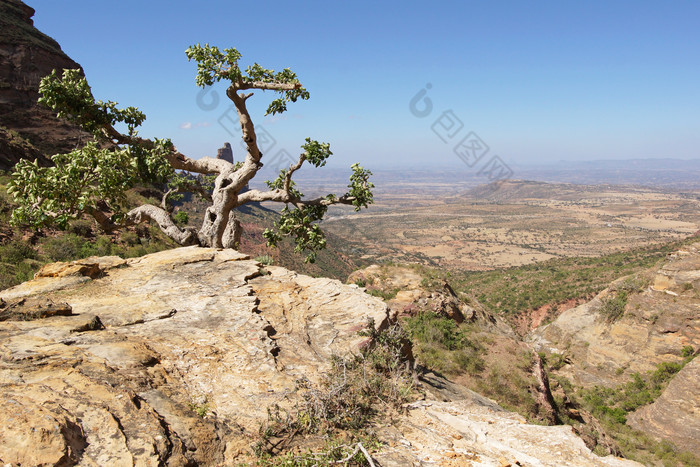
x,y
190,125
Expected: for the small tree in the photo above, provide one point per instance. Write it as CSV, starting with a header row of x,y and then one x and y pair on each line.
x,y
94,179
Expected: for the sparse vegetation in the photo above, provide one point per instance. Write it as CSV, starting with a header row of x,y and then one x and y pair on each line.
x,y
515,290
200,409
381,293
266,260
611,406
613,307
356,391
443,345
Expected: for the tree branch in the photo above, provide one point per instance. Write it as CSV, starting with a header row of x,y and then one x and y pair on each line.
x,y
291,170
265,86
185,237
282,196
177,160
103,220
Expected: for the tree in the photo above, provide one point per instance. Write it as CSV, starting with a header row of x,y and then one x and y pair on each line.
x,y
94,180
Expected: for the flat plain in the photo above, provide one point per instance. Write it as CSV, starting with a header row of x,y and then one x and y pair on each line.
x,y
509,223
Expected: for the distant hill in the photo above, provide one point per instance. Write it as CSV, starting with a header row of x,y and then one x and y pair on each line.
x,y
666,173
514,190
27,55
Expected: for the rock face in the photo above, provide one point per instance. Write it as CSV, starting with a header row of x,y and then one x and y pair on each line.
x,y
225,153
476,432
671,417
659,321
26,56
173,359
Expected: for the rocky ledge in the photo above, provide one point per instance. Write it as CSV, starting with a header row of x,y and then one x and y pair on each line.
x,y
174,358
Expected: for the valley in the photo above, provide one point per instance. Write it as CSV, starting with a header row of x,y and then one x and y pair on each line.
x,y
512,223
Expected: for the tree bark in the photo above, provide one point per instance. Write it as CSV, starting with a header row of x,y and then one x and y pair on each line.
x,y
232,235
185,237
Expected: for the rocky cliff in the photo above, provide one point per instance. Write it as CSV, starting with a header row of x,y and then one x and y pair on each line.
x,y
26,56
657,322
174,358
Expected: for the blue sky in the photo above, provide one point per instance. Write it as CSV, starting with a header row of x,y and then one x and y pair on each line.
x,y
536,81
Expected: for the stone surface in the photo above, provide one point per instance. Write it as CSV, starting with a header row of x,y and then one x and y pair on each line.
x,y
182,329
476,432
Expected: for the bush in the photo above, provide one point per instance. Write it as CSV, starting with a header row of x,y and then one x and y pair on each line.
x,y
443,345
613,307
355,391
181,218
267,260
81,227
64,248
687,351
16,251
383,294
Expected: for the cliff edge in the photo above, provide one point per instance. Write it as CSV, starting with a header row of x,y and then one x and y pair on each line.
x,y
174,358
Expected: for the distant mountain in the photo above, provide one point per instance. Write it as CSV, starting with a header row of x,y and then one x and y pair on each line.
x,y
26,56
669,173
626,164
515,190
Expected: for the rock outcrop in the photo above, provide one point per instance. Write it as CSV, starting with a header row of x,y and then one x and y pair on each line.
x,y
174,358
659,323
674,415
411,297
476,432
26,56
659,320
179,330
225,153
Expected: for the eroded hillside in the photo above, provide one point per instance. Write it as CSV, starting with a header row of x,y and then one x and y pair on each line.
x,y
181,357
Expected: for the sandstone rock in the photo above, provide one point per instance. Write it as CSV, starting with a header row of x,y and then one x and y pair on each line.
x,y
654,328
180,327
475,431
33,308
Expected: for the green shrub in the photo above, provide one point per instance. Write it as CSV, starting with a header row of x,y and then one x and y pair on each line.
x,y
181,218
613,307
16,251
81,227
64,248
130,238
267,260
443,345
383,294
